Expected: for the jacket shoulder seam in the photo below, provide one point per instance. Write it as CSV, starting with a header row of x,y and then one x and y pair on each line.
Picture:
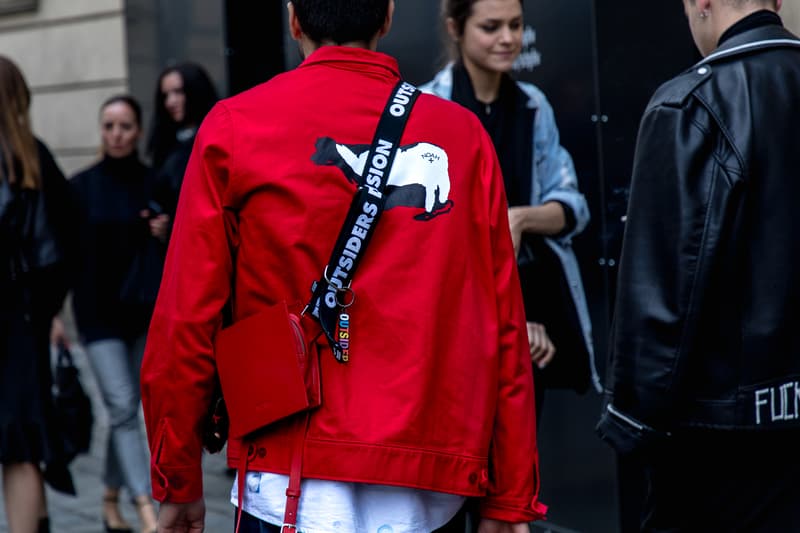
x,y
677,91
725,132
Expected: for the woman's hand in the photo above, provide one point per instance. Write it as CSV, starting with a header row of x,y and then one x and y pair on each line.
x,y
159,227
516,222
495,526
159,224
542,348
58,333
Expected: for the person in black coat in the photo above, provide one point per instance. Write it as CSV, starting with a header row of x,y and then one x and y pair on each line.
x,y
35,220
184,95
120,260
703,385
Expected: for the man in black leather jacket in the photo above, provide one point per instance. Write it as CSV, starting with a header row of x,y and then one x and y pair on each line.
x,y
704,376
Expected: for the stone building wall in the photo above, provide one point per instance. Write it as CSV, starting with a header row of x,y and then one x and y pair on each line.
x,y
73,55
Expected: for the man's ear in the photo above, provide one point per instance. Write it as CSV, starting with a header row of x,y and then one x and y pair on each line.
x,y
294,24
778,5
387,24
703,5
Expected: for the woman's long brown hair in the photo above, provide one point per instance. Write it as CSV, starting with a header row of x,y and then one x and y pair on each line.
x,y
20,158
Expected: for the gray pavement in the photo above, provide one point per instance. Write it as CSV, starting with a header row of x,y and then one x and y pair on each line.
x,y
82,513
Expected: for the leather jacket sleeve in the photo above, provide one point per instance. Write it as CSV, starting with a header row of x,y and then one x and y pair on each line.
x,y
685,179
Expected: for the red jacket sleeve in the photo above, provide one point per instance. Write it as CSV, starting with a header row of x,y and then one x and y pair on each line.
x,y
178,369
513,494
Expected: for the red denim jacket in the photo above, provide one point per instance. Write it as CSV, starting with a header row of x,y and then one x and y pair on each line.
x,y
438,392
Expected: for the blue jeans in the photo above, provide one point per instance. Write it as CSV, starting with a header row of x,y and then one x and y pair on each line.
x,y
116,366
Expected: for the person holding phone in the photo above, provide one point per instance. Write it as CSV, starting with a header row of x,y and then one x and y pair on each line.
x,y
117,221
704,360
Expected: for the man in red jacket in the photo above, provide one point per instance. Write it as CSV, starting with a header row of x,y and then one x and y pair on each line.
x,y
434,401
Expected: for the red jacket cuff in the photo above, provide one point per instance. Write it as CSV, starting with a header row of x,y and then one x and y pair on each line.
x,y
512,511
177,485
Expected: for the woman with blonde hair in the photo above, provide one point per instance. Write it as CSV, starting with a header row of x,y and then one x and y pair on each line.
x,y
35,218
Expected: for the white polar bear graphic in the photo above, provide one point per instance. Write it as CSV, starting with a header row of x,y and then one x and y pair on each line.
x,y
421,164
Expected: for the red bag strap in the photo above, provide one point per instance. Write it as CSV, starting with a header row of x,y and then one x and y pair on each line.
x,y
295,475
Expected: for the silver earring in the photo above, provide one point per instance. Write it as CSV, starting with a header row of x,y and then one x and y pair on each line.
x,y
704,14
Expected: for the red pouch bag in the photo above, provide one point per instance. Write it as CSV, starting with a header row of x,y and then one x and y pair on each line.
x,y
267,369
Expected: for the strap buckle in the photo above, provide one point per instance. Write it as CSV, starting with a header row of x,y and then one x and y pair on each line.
x,y
345,296
288,526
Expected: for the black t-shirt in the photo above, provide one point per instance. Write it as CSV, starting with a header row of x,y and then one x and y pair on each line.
x,y
509,122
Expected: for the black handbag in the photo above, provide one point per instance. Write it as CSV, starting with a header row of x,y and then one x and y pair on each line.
x,y
548,301
72,406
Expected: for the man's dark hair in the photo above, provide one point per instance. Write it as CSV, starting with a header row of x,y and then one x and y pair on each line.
x,y
341,21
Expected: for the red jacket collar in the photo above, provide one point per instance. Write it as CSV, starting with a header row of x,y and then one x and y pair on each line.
x,y
367,60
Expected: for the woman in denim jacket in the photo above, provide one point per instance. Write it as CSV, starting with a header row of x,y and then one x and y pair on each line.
x,y
546,209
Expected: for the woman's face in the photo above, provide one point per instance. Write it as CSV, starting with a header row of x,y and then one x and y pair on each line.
x,y
492,38
174,97
119,129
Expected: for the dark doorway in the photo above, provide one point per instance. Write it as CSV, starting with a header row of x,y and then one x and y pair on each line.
x,y
254,42
160,34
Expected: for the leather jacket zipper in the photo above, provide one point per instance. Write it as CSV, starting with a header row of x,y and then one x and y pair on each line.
x,y
627,419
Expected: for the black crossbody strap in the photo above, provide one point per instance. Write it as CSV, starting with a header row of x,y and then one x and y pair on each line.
x,y
332,293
